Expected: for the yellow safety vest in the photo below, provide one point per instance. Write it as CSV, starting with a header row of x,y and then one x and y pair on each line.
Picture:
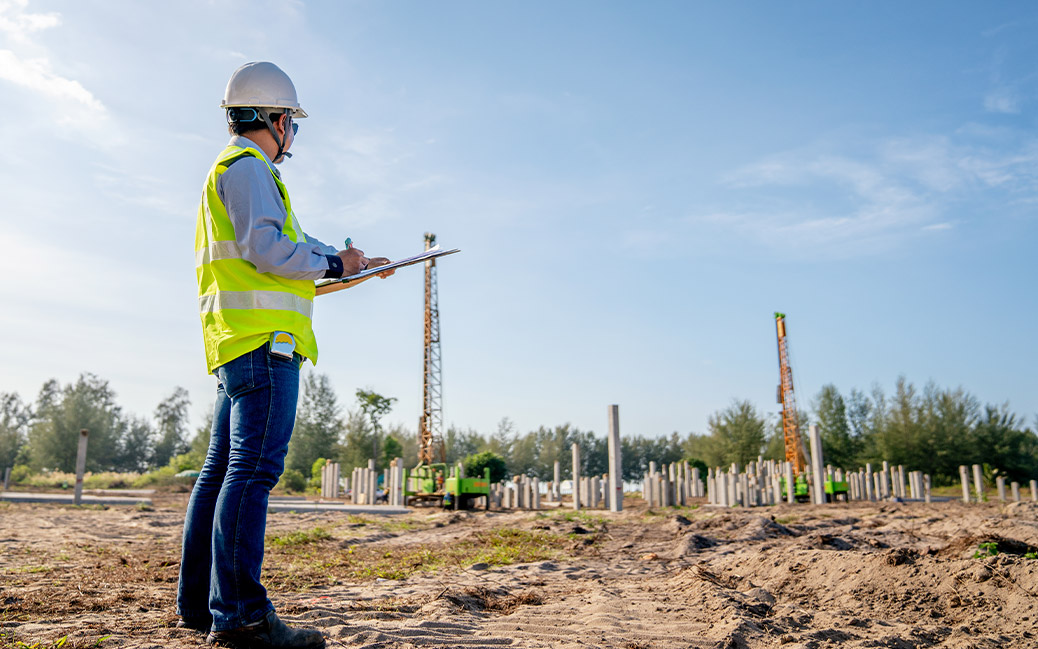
x,y
241,307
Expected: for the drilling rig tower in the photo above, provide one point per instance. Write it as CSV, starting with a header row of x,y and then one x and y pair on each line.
x,y
430,429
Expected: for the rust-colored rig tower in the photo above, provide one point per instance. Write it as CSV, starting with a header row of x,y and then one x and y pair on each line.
x,y
430,427
790,426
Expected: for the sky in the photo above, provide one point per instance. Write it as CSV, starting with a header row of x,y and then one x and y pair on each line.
x,y
635,187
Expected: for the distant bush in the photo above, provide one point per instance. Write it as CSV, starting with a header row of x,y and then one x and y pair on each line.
x,y
475,464
696,463
23,475
164,477
109,480
315,470
20,473
186,462
50,480
314,484
292,481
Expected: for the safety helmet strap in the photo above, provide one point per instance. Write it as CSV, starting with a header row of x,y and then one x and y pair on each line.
x,y
265,115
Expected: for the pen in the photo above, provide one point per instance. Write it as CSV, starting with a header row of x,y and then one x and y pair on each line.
x,y
349,243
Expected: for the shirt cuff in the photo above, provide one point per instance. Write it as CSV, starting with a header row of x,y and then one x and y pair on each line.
x,y
334,267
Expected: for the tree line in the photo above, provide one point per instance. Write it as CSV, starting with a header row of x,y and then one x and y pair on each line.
x,y
931,429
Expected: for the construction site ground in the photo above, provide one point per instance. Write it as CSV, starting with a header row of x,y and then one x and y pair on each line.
x,y
894,575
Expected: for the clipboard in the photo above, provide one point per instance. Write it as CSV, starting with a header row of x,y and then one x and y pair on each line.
x,y
332,285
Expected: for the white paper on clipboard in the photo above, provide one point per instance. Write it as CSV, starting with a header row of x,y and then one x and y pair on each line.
x,y
333,285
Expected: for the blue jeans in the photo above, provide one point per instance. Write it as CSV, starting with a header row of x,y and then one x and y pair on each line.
x,y
226,520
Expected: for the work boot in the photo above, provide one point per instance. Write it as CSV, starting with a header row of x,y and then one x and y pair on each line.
x,y
270,633
202,626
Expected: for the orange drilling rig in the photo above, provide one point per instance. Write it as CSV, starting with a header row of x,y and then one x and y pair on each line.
x,y
795,453
790,425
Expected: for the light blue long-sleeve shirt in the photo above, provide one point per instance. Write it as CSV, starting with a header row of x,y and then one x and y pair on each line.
x,y
258,214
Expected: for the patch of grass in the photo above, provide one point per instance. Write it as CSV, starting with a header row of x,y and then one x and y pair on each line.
x,y
786,520
663,512
8,640
505,546
388,523
302,537
33,569
989,549
582,517
290,569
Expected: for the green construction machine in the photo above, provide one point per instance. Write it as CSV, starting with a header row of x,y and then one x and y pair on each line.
x,y
801,490
433,484
836,488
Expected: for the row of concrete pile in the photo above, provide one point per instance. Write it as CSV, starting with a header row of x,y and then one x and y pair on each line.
x,y
364,483
763,482
674,484
1000,485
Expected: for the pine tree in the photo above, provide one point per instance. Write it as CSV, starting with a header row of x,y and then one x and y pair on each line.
x,y
171,427
318,425
838,447
738,434
375,407
356,448
14,424
60,414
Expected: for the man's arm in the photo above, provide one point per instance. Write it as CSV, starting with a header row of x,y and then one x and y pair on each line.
x,y
258,214
328,250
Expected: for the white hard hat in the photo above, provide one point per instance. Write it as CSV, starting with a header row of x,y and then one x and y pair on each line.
x,y
261,85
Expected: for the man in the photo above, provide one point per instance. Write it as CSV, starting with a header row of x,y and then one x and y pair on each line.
x,y
255,268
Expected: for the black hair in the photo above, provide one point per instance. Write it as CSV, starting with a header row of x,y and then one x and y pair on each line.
x,y
242,121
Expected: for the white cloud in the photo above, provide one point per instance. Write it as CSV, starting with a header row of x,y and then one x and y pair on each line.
x,y
36,75
892,191
17,24
25,64
1002,100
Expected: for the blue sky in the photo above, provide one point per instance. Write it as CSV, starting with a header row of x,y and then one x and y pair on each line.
x,y
636,188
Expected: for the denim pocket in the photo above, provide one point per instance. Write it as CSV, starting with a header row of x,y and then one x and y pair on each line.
x,y
238,376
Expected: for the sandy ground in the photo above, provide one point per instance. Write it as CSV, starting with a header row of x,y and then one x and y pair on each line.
x,y
859,575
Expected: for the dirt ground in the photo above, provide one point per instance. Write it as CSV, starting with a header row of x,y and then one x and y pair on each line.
x,y
859,575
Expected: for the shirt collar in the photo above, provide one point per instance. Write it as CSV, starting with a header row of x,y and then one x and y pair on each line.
x,y
242,141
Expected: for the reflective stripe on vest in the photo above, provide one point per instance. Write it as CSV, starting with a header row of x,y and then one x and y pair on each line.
x,y
255,300
239,306
216,251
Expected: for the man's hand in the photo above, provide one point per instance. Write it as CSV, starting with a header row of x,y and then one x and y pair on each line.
x,y
353,261
375,262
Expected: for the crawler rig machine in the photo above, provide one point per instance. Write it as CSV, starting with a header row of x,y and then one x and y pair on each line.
x,y
795,453
431,482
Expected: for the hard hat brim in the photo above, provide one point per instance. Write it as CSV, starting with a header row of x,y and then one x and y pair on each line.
x,y
297,112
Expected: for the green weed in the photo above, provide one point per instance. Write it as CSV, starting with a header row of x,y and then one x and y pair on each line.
x,y
388,523
989,549
321,567
302,537
583,517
